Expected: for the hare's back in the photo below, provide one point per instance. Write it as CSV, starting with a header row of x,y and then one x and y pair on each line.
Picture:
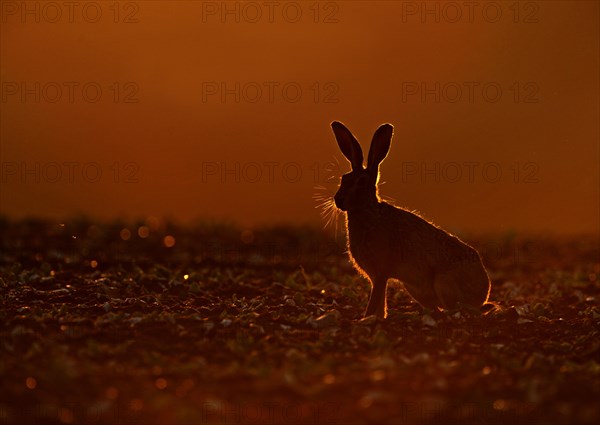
x,y
426,241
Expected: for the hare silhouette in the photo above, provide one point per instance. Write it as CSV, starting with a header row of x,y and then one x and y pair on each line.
x,y
437,269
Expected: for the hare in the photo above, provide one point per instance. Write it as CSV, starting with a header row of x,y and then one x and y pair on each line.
x,y
437,269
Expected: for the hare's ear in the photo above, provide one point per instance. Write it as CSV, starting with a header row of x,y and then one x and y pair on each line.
x,y
380,146
348,145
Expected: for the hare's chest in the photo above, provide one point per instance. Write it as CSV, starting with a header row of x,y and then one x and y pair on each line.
x,y
364,251
358,253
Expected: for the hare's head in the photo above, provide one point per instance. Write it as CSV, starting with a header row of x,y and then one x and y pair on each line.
x,y
359,187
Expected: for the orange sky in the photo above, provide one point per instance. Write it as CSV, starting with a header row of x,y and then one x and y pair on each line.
x,y
471,93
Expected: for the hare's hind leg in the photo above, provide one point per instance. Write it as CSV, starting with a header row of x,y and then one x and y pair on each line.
x,y
448,290
476,285
467,284
377,300
424,294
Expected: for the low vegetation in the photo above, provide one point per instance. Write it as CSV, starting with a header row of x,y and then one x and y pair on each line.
x,y
155,323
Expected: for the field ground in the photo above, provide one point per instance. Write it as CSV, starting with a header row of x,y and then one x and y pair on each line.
x,y
99,325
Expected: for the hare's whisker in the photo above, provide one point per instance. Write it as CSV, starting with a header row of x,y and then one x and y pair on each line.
x,y
328,213
324,203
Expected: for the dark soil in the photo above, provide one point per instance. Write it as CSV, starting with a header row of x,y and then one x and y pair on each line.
x,y
264,326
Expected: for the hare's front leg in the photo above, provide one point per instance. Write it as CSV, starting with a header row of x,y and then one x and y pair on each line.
x,y
377,300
